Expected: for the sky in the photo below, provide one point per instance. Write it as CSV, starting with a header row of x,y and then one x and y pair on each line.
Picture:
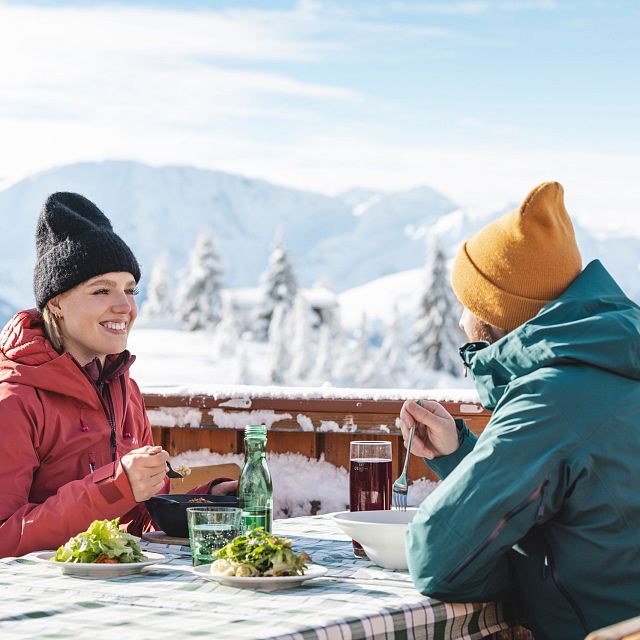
x,y
480,99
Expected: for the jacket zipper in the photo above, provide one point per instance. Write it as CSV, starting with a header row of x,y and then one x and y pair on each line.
x,y
112,423
521,506
550,566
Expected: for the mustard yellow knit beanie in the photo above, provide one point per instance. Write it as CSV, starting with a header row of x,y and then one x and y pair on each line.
x,y
514,266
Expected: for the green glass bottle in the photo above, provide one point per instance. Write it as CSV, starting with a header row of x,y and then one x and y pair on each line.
x,y
255,491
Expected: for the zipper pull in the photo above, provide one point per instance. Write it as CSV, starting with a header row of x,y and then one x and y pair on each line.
x,y
540,511
465,370
545,565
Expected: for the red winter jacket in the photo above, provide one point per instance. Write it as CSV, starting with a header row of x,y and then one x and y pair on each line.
x,y
57,468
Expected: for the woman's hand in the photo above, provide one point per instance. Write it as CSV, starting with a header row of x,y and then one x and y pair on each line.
x,y
224,488
436,433
145,469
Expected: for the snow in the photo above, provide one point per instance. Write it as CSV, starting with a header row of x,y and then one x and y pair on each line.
x,y
306,424
301,485
248,393
240,419
175,417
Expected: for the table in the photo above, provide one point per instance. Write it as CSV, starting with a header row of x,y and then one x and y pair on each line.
x,y
354,600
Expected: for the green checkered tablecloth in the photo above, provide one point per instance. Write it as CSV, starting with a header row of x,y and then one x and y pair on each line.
x,y
354,600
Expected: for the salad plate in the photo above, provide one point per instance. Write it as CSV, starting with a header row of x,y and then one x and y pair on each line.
x,y
100,571
264,583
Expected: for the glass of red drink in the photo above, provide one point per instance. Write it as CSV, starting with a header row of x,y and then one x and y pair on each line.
x,y
369,479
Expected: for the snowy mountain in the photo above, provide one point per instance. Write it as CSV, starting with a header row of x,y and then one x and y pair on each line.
x,y
347,240
377,298
162,209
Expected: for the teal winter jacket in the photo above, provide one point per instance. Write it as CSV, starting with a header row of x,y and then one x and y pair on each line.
x,y
543,509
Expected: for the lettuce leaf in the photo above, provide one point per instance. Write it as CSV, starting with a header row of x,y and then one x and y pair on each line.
x,y
259,553
102,538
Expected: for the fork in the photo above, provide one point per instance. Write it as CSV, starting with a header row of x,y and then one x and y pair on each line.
x,y
401,486
172,473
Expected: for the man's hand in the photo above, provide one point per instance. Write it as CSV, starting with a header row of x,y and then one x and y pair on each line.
x,y
224,488
145,469
436,433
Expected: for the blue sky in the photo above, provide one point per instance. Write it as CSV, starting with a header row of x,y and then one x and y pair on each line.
x,y
480,99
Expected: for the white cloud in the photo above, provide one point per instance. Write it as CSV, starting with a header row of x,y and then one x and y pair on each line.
x,y
218,90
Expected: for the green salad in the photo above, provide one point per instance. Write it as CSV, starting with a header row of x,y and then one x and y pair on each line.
x,y
259,553
101,543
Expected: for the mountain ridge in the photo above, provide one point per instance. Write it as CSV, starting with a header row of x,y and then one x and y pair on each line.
x,y
161,209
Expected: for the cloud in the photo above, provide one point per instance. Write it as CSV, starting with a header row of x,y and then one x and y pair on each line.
x,y
473,8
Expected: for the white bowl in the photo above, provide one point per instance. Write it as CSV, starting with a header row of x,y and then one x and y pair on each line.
x,y
381,534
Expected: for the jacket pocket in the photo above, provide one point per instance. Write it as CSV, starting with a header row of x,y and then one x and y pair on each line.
x,y
550,568
536,496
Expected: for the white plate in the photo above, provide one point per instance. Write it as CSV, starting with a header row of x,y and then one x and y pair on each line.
x,y
100,571
262,583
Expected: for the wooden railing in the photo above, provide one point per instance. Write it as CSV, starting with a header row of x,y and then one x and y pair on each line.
x,y
302,421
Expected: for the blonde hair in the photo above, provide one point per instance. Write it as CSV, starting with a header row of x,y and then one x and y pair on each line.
x,y
52,329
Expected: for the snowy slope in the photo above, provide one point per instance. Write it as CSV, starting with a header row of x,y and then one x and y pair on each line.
x,y
377,298
388,236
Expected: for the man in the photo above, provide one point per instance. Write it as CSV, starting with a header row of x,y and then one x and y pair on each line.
x,y
542,509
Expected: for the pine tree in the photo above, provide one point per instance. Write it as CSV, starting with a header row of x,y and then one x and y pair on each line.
x,y
392,356
200,299
354,365
321,369
159,302
278,344
437,335
279,284
227,334
241,371
302,341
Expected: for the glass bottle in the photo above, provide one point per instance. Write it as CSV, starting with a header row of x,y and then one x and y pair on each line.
x,y
255,491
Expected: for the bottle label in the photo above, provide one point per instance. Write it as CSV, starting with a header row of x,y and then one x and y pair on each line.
x,y
254,517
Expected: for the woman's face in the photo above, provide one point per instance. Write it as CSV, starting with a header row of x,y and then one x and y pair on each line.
x,y
97,315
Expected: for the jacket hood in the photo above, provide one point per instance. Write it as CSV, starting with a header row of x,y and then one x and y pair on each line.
x,y
27,357
591,323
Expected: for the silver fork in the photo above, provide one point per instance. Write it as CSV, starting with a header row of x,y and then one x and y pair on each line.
x,y
401,486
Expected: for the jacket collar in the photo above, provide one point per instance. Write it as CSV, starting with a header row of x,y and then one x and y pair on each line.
x,y
592,323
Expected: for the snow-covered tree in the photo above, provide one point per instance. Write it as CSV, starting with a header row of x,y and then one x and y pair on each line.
x,y
393,353
200,302
241,369
321,368
227,333
354,365
279,345
279,284
159,302
437,334
302,342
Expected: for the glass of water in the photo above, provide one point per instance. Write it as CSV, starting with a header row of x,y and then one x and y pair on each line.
x,y
210,528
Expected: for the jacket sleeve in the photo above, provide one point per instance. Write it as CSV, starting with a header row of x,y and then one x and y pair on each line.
x,y
444,465
458,542
137,520
26,526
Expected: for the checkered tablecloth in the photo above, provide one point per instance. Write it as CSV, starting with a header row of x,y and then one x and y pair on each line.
x,y
354,600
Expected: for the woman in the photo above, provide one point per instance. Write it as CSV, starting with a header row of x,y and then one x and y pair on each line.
x,y
75,440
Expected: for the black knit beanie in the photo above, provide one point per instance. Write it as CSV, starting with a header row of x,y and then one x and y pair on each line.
x,y
75,242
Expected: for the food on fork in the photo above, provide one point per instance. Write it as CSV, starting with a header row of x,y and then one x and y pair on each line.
x,y
184,469
102,543
259,553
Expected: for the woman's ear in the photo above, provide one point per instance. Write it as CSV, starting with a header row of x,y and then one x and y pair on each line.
x,y
54,307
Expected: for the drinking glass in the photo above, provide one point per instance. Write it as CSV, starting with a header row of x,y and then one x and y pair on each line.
x,y
210,528
369,479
